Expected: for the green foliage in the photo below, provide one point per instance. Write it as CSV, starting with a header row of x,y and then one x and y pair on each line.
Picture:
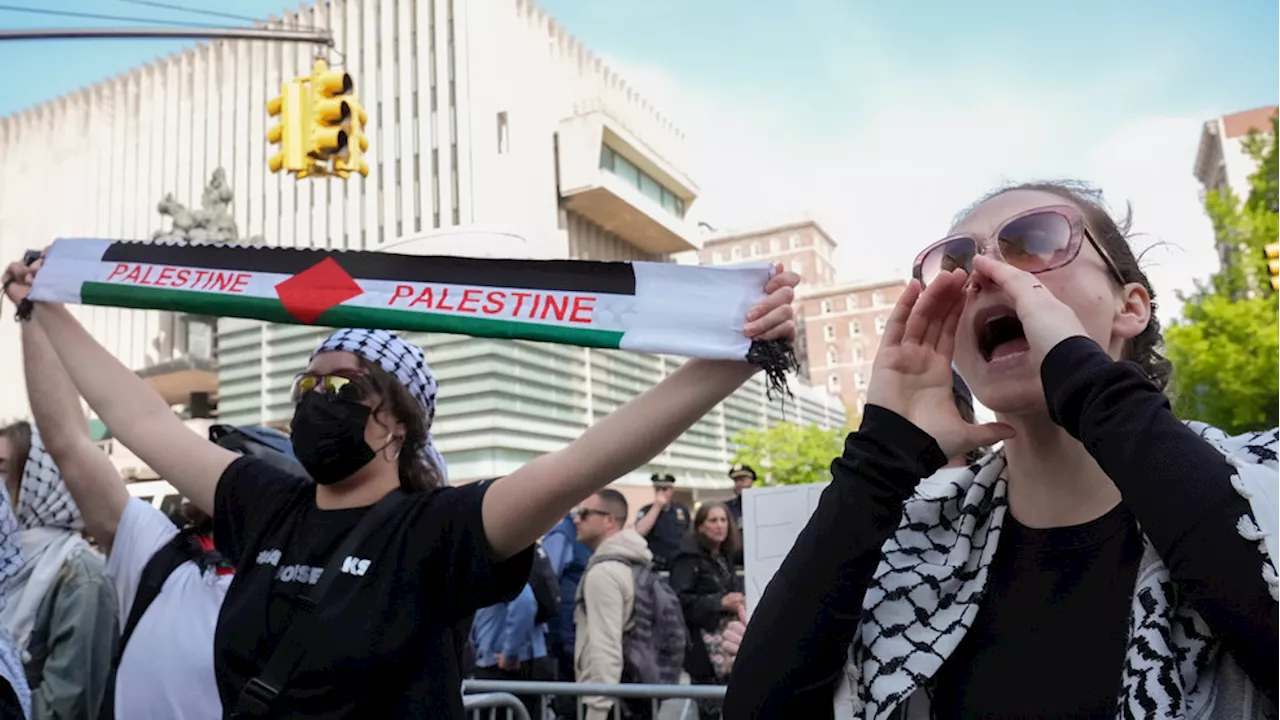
x,y
790,453
1225,347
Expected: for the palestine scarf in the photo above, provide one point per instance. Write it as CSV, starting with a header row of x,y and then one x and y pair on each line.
x,y
662,308
925,595
408,365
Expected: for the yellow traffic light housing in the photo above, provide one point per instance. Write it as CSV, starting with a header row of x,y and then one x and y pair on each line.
x,y
351,160
292,132
329,111
1273,264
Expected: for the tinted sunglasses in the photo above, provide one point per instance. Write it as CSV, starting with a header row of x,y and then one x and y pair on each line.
x,y
1036,241
584,513
347,388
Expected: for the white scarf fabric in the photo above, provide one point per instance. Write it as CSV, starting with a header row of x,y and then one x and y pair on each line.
x,y
925,594
51,526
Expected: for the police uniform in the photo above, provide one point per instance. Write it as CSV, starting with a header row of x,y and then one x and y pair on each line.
x,y
669,529
734,504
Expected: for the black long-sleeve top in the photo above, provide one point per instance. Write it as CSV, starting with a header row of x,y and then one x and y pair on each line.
x,y
1173,483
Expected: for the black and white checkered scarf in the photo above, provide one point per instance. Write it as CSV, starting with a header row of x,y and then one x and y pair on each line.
x,y
925,595
404,361
10,562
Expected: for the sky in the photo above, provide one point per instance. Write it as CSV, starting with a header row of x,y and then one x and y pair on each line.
x,y
881,120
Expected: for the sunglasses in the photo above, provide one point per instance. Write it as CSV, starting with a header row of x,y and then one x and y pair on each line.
x,y
346,388
584,513
1036,241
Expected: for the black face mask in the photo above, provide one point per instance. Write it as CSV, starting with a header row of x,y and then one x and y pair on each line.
x,y
328,437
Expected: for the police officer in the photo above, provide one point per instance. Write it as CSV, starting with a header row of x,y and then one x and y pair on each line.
x,y
743,477
664,522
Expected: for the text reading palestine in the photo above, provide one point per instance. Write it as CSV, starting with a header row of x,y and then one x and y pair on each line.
x,y
520,304
180,278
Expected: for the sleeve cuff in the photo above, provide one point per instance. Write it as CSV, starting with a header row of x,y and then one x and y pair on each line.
x,y
897,435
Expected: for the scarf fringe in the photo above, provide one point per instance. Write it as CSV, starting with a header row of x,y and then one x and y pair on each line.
x,y
776,358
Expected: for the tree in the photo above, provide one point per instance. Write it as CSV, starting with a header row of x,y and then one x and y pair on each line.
x,y
1225,348
790,453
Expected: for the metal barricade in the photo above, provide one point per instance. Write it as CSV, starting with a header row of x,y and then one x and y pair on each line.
x,y
655,694
495,701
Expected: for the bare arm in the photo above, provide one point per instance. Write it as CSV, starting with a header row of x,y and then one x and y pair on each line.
x,y
522,506
137,416
92,479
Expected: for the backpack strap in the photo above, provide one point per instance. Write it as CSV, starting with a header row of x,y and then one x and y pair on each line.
x,y
259,695
181,548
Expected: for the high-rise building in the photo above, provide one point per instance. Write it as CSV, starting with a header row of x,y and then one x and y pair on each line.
x,y
1221,161
843,326
481,113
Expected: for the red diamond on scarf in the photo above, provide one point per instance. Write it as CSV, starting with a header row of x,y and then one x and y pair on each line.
x,y
311,292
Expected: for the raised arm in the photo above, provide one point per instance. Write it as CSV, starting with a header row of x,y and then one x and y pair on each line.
x,y
137,416
92,479
522,506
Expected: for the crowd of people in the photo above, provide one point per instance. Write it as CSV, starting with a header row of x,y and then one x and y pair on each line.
x,y
1086,554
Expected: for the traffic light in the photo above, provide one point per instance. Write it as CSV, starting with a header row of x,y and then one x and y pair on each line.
x,y
329,111
1273,264
292,132
350,159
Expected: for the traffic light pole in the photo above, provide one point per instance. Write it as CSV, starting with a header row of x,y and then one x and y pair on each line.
x,y
312,37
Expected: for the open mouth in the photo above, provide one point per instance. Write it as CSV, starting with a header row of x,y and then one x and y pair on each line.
x,y
1001,336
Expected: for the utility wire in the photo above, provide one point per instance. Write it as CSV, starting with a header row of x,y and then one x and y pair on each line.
x,y
95,16
211,13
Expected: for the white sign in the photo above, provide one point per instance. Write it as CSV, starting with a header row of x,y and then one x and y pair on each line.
x,y
772,518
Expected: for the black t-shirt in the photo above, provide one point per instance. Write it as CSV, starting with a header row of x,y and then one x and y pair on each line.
x,y
388,645
1050,635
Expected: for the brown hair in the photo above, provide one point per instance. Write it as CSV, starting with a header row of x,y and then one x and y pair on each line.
x,y
616,503
416,472
19,435
729,547
1113,236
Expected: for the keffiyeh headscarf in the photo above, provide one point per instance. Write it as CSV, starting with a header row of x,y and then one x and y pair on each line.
x,y
44,500
404,361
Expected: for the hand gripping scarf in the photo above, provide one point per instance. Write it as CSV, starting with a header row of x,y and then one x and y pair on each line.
x,y
404,361
925,594
664,308
10,561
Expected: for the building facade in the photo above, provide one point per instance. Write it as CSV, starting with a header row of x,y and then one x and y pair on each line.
x,y
1221,161
481,113
843,326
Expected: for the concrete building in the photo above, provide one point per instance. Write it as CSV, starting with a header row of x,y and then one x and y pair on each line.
x,y
843,326
481,113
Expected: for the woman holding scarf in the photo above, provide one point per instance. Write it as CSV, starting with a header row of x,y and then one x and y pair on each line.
x,y
384,640
1107,561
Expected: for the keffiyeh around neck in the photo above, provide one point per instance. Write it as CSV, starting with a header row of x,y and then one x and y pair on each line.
x,y
926,592
407,364
10,563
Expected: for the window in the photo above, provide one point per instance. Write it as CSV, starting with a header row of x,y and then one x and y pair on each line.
x,y
831,356
833,383
755,249
858,354
829,332
855,327
774,244
502,133
850,303
797,267
877,299
736,253
826,306
719,256
793,242
645,183
860,404
880,325
859,380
